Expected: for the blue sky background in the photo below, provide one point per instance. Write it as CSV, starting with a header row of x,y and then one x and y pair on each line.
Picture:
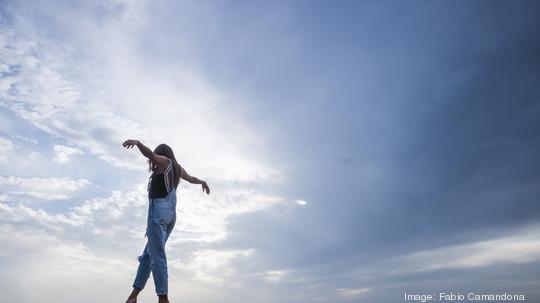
x,y
356,150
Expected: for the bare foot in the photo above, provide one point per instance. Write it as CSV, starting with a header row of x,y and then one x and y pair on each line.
x,y
163,299
131,300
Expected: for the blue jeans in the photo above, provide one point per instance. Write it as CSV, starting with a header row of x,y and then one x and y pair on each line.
x,y
161,220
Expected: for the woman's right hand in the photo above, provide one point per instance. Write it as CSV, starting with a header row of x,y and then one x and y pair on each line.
x,y
130,143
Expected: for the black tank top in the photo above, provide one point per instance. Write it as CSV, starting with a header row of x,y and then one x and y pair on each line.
x,y
161,184
157,187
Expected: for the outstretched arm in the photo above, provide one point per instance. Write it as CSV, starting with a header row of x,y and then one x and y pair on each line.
x,y
195,180
159,160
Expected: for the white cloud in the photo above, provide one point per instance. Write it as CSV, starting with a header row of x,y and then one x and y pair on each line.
x,y
24,138
113,228
21,157
38,195
110,232
41,188
54,266
204,218
519,247
522,247
6,145
37,219
44,183
276,275
129,99
301,202
63,153
49,184
351,293
212,266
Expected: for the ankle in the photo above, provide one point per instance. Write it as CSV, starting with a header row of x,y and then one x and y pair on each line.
x,y
134,293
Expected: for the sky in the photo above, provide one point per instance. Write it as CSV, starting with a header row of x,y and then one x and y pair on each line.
x,y
356,150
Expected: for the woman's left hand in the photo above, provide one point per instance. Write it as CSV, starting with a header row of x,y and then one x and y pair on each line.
x,y
205,188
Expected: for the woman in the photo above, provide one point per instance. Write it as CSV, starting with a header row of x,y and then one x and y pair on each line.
x,y
166,174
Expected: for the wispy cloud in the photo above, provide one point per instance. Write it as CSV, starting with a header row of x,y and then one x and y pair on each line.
x,y
522,247
42,188
212,266
6,145
43,183
63,153
276,275
351,293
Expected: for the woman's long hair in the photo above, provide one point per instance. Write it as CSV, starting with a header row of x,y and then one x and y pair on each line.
x,y
166,150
